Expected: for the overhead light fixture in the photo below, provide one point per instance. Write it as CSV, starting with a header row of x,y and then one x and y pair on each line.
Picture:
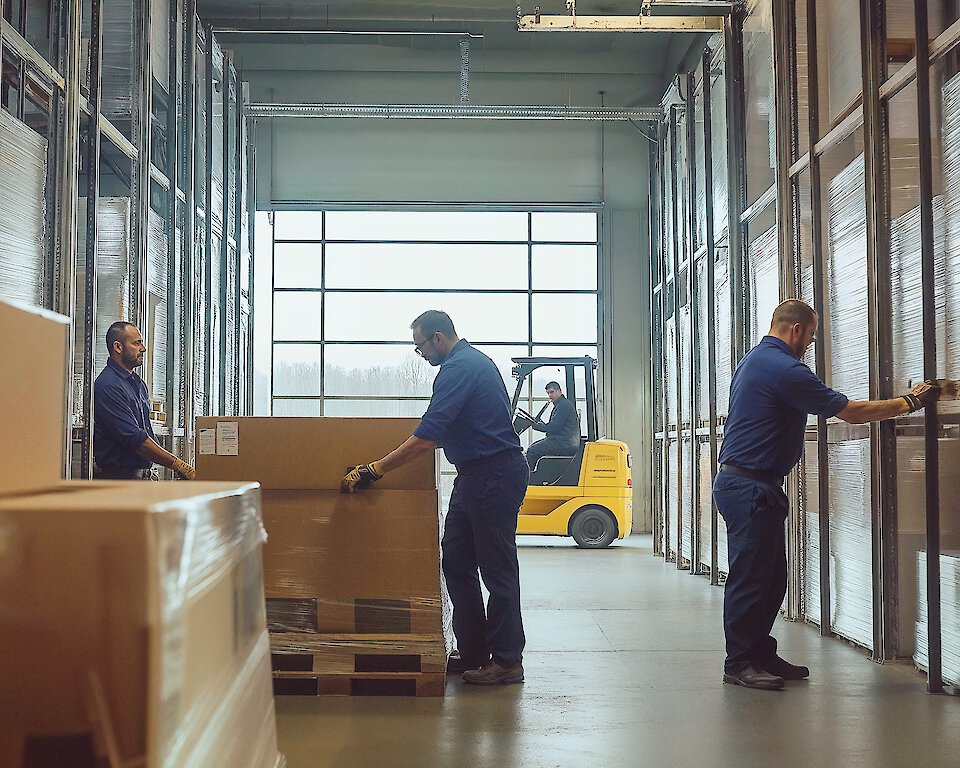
x,y
643,22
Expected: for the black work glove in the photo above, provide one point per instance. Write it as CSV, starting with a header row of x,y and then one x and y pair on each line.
x,y
922,395
361,477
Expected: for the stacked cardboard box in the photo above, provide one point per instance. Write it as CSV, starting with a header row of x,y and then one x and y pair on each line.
x,y
354,601
133,629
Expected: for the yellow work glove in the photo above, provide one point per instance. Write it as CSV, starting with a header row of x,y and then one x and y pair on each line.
x,y
922,395
183,469
361,477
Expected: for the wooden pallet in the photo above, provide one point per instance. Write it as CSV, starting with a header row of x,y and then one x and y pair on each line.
x,y
339,657
359,684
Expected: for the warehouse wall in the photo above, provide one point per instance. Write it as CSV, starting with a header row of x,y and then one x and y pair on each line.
x,y
496,162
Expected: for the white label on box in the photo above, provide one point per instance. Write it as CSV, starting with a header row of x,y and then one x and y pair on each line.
x,y
228,438
207,442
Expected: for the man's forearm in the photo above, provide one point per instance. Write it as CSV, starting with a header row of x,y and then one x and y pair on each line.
x,y
406,452
861,412
149,449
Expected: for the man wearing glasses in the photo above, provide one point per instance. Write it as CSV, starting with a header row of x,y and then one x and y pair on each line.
x,y
770,396
471,418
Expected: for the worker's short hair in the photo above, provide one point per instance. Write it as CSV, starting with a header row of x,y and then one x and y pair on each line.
x,y
553,385
434,321
117,332
791,312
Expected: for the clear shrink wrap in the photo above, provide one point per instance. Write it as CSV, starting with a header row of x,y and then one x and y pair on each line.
x,y
948,342
764,282
949,615
23,158
686,499
810,501
847,282
352,581
672,521
724,341
851,541
136,627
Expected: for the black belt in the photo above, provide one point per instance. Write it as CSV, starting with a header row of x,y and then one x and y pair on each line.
x,y
122,473
475,464
769,478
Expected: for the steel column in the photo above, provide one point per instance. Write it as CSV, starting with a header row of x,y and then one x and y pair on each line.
x,y
656,346
930,419
90,269
690,108
820,306
141,127
223,298
675,184
174,257
880,331
208,232
189,222
786,122
733,52
67,186
711,308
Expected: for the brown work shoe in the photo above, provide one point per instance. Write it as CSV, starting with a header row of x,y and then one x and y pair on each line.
x,y
492,673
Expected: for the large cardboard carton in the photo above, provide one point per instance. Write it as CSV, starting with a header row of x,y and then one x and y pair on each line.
x,y
306,453
32,396
134,628
375,544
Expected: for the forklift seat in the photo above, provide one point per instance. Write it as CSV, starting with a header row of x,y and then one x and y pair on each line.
x,y
559,470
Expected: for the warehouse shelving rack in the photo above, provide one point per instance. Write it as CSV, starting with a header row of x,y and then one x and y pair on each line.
x,y
784,207
142,109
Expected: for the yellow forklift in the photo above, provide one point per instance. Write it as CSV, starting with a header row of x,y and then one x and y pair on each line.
x,y
588,496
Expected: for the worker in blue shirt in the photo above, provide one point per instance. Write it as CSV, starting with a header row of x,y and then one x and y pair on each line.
x,y
471,418
563,429
124,445
770,396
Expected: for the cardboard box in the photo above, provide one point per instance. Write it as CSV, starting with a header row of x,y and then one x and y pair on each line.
x,y
378,544
134,626
310,453
32,397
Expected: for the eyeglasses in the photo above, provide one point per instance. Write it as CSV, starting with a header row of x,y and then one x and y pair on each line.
x,y
419,347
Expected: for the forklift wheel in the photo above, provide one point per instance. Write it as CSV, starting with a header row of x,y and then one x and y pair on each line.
x,y
593,527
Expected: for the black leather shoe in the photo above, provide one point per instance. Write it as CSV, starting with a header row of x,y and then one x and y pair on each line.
x,y
785,669
752,677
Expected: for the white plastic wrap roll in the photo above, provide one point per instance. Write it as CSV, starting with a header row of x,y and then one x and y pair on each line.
x,y
671,523
764,282
23,157
810,500
724,364
851,541
686,499
847,278
948,344
949,614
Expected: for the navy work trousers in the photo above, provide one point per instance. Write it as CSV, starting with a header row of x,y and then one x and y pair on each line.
x,y
480,540
757,580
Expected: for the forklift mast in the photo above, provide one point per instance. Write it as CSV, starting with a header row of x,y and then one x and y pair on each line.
x,y
525,366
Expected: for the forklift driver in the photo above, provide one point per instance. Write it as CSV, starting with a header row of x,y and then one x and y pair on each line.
x,y
563,429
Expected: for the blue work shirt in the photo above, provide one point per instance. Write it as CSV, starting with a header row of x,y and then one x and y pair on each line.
x,y
469,415
770,396
121,418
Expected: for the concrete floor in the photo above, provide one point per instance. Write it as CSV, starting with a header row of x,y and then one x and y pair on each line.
x,y
623,666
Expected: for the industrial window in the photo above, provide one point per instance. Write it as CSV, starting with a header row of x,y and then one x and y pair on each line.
x,y
347,284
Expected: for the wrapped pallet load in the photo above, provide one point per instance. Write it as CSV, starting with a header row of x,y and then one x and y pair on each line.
x,y
355,602
133,629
